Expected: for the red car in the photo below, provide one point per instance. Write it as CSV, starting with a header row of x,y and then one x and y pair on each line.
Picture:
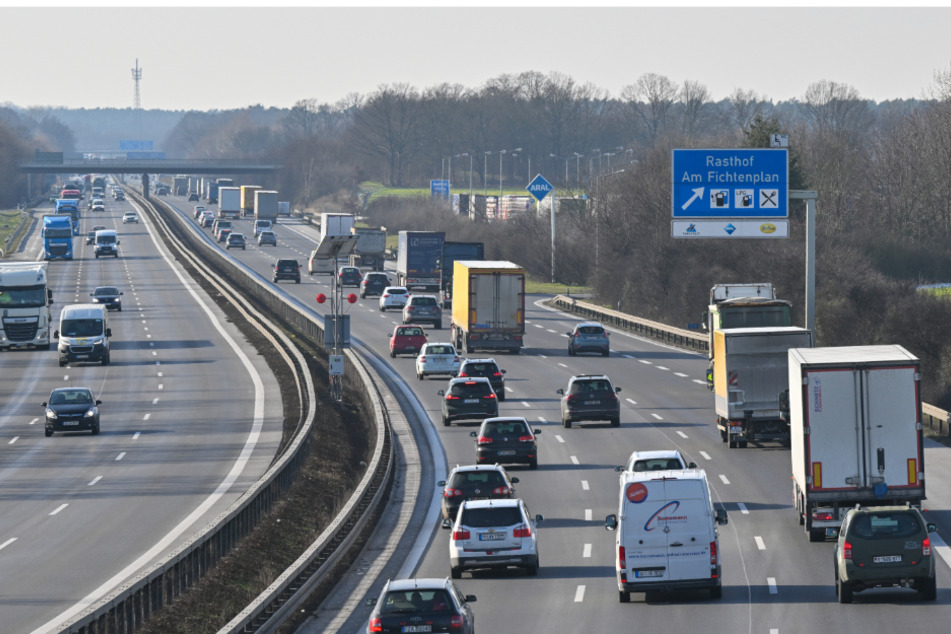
x,y
407,339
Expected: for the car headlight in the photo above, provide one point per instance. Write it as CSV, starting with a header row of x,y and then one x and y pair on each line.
x,y
91,412
51,414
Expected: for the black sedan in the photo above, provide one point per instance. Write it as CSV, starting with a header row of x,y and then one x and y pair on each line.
x,y
108,296
468,399
422,605
72,409
506,440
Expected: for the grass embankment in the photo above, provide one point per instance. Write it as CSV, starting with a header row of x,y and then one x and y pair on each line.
x,y
9,222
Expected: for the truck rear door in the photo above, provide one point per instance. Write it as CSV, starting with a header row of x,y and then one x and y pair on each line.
x,y
833,441
892,451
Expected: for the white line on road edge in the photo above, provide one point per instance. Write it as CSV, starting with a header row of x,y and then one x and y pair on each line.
x,y
771,582
705,455
724,478
743,509
759,542
7,543
579,594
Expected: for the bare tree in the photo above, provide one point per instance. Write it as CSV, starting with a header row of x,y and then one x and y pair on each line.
x,y
649,100
746,106
834,107
696,103
389,126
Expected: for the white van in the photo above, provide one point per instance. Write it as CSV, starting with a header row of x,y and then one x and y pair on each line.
x,y
83,334
107,243
666,533
261,225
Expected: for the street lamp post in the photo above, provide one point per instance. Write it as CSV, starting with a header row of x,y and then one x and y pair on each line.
x,y
470,179
578,169
485,172
450,175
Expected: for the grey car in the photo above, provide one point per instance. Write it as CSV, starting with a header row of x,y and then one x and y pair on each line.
x,y
589,336
267,237
423,309
590,397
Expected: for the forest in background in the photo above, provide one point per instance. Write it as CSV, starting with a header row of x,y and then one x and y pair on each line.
x,y
882,172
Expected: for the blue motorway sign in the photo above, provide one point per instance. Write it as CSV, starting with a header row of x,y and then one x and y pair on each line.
x,y
439,188
136,146
735,183
539,187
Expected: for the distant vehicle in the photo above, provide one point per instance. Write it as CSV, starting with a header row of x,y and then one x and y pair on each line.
x,y
207,219
656,460
57,234
107,243
198,210
130,216
488,306
417,257
235,240
494,534
407,340
193,197
589,336
373,283
468,399
222,233
72,409
506,440
25,300
108,296
349,276
590,397
261,225
436,602
286,269
267,237
90,237
83,334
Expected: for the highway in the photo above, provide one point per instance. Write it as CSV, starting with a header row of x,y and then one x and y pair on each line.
x,y
190,418
771,571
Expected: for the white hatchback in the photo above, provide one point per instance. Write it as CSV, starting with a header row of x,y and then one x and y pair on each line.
x,y
437,358
494,534
130,216
394,297
657,460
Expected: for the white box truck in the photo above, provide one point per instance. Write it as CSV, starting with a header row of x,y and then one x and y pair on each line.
x,y
666,533
25,298
855,421
229,202
265,205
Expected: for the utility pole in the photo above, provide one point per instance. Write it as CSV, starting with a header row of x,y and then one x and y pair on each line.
x,y
136,77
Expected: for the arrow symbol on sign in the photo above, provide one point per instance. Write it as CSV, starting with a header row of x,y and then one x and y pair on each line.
x,y
697,193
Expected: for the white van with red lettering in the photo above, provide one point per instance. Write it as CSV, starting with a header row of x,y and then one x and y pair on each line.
x,y
666,533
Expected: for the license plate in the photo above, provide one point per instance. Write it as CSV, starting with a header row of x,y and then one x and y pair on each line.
x,y
417,628
648,573
82,356
471,401
592,402
491,537
70,423
506,452
887,559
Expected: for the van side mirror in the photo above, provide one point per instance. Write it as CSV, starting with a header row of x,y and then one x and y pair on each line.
x,y
513,480
536,431
473,434
559,391
619,468
470,598
721,517
539,518
617,390
98,402
610,522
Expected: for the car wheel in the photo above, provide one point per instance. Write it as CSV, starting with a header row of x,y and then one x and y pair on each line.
x,y
606,353
446,422
624,597
382,310
455,572
392,354
844,590
742,444
97,256
297,281
95,429
119,308
723,436
419,377
501,395
571,352
928,588
615,422
62,362
105,360
533,464
48,432
532,569
733,443
817,535
566,423
716,592
437,325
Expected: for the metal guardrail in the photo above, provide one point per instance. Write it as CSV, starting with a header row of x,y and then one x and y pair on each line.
x,y
933,417
128,608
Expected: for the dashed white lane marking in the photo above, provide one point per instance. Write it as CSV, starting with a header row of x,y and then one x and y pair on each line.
x,y
587,551
699,382
526,404
705,455
13,440
541,356
147,416
584,485
680,374
154,353
65,377
120,456
587,515
759,542
724,478
631,401
541,419
136,435
682,435
627,356
660,367
574,460
159,375
579,594
538,325
657,416
508,389
771,582
161,386
774,630
155,401
563,365
94,480
743,509
645,362
34,421
7,543
551,331
59,508
559,438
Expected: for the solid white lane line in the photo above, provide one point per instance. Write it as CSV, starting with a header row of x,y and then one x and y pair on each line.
x,y
120,456
579,594
759,542
574,460
631,401
705,455
587,515
7,543
584,485
94,480
724,478
657,416
771,581
587,551
59,508
743,509
13,440
559,438
682,435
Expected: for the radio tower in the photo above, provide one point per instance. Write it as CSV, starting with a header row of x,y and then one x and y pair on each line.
x,y
136,76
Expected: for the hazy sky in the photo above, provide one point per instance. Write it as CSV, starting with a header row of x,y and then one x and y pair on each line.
x,y
221,57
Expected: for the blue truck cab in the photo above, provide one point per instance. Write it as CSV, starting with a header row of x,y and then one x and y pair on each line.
x,y
57,236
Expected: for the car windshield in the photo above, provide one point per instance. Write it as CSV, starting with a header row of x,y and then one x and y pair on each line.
x,y
397,291
71,397
477,479
415,600
23,296
424,301
504,428
480,369
470,388
106,239
488,517
106,290
580,387
81,327
656,464
885,525
590,330
410,332
439,350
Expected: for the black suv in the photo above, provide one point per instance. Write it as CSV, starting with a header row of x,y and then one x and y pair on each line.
x,y
429,605
487,368
473,482
373,283
590,397
884,546
466,399
349,276
287,270
507,440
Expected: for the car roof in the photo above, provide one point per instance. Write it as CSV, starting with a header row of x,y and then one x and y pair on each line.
x,y
468,379
419,296
504,419
491,503
389,287
480,360
656,453
589,323
425,583
70,389
477,467
588,376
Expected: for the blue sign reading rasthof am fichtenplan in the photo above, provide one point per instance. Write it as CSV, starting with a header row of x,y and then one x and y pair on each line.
x,y
734,183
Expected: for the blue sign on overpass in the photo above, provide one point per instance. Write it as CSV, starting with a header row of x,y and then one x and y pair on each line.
x,y
735,183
